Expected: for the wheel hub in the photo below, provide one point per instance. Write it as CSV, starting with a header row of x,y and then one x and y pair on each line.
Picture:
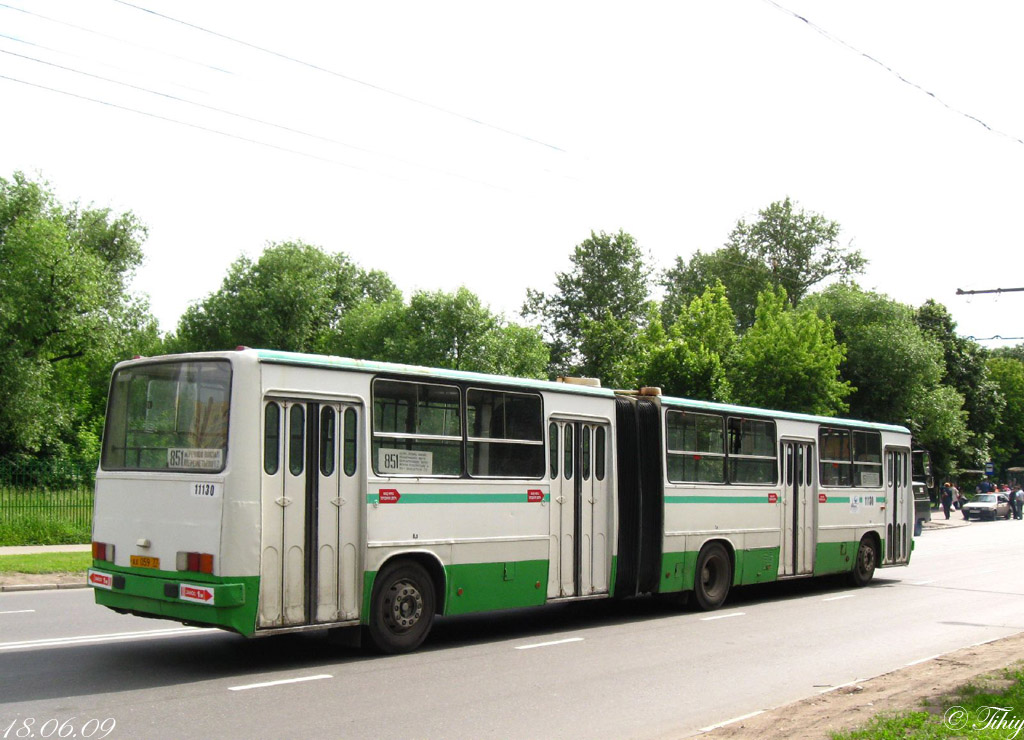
x,y
406,604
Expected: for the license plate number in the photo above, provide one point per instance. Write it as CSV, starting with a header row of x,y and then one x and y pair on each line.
x,y
143,561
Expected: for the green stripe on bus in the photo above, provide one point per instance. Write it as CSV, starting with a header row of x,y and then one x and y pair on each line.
x,y
483,586
756,565
698,499
834,557
457,498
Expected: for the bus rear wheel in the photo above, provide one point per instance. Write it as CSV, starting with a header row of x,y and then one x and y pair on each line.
x,y
401,608
713,578
867,559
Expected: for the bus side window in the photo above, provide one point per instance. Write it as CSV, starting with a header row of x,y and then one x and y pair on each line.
x,y
328,437
568,452
349,448
553,449
296,439
586,453
599,454
271,438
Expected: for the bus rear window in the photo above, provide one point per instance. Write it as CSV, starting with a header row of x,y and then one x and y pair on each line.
x,y
168,416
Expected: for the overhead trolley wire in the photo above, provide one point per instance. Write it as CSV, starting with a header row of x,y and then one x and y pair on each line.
x,y
341,75
890,70
113,38
197,126
223,111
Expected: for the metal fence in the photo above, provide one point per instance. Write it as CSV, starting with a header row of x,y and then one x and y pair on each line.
x,y
52,492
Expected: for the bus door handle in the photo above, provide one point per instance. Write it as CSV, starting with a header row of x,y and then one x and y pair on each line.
x,y
283,501
560,499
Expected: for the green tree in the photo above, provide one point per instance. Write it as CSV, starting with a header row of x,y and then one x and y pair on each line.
x,y
291,298
896,369
439,329
598,307
1008,437
888,359
967,371
742,275
65,317
690,358
788,360
784,248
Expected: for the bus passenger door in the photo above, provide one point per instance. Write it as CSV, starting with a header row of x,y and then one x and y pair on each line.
x,y
309,513
336,517
799,508
579,564
899,505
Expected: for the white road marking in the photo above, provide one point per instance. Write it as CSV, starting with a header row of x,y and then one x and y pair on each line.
x,y
837,598
547,644
20,611
723,616
280,683
111,637
924,660
709,728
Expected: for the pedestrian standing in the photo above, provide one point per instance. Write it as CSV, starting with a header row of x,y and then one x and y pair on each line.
x,y
1018,502
947,498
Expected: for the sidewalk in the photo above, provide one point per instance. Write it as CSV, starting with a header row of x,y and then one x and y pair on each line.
x,y
41,582
36,549
956,519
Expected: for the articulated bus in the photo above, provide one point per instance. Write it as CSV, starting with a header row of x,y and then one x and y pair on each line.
x,y
265,492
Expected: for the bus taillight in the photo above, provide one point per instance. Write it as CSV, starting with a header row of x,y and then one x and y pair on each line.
x,y
195,562
103,551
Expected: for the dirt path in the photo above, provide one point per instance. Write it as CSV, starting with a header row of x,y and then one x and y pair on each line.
x,y
911,688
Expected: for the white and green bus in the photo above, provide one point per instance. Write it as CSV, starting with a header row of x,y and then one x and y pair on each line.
x,y
266,492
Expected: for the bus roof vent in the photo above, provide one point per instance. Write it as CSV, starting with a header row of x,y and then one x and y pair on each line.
x,y
650,390
589,382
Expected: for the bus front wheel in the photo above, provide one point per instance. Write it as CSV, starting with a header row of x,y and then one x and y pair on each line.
x,y
402,607
713,577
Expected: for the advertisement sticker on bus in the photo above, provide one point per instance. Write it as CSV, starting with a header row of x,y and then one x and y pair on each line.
x,y
197,594
101,580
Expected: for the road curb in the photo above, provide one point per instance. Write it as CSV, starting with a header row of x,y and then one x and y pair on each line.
x,y
42,586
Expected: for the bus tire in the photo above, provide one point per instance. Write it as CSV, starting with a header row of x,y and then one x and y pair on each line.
x,y
713,576
867,560
401,608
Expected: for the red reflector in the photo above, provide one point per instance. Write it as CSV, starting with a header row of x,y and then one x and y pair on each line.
x,y
205,563
102,551
193,561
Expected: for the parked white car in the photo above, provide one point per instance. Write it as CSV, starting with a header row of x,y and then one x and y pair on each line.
x,y
988,506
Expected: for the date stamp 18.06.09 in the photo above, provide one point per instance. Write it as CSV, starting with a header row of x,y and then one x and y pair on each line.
x,y
72,727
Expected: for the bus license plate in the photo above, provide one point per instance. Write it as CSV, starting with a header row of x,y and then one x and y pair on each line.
x,y
142,561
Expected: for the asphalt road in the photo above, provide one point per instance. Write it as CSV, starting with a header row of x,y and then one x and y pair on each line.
x,y
596,670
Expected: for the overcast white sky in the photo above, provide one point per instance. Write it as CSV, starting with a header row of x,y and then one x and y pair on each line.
x,y
468,143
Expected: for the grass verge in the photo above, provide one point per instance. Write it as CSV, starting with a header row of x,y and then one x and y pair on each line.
x,y
985,710
50,562
38,530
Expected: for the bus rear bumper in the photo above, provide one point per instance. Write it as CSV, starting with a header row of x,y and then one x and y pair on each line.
x,y
229,603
